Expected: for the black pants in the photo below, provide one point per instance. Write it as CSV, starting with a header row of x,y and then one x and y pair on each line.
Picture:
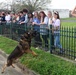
x,y
21,29
52,42
45,39
38,41
14,27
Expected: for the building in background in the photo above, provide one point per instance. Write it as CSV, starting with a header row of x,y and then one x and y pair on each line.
x,y
64,13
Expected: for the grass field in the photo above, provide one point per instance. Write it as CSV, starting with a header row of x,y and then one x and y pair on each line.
x,y
68,24
68,40
72,18
44,63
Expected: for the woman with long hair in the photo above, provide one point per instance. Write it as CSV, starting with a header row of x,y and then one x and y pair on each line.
x,y
36,27
43,30
56,30
30,17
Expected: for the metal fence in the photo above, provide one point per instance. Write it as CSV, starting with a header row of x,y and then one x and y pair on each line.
x,y
67,38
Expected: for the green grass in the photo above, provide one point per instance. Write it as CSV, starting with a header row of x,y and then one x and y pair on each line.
x,y
68,24
72,18
68,42
7,44
44,63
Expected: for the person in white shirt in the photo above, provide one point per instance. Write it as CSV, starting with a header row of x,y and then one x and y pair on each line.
x,y
51,35
50,18
8,18
56,29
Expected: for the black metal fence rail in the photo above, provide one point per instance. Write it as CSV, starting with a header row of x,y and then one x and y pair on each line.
x,y
67,37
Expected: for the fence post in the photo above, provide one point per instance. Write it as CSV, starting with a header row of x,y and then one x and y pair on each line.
x,y
51,37
0,29
25,27
74,43
11,30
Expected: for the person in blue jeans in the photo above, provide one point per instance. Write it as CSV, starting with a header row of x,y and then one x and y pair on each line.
x,y
56,30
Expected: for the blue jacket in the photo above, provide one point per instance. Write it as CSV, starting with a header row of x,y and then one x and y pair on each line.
x,y
21,19
36,27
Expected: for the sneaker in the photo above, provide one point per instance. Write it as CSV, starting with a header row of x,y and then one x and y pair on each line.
x,y
61,51
46,49
51,51
37,47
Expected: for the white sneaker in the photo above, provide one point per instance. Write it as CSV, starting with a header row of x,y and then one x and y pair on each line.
x,y
37,48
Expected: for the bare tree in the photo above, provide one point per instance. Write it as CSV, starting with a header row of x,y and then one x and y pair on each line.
x,y
33,5
4,6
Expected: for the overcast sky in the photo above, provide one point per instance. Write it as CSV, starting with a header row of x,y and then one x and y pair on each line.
x,y
63,4
59,4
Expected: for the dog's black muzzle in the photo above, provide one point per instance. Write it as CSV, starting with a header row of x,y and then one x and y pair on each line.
x,y
35,33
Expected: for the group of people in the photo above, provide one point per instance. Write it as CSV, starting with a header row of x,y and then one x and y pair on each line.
x,y
7,17
41,23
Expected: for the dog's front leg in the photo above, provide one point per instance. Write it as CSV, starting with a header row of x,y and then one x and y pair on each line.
x,y
32,52
13,66
4,68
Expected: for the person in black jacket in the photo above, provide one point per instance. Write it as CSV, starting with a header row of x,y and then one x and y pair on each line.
x,y
3,21
3,18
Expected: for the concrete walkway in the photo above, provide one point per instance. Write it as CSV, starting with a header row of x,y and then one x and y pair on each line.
x,y
9,70
13,71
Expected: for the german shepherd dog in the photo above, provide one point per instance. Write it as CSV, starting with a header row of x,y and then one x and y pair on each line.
x,y
23,47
